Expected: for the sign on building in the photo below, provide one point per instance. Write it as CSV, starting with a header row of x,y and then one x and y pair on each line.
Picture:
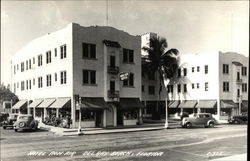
x,y
124,76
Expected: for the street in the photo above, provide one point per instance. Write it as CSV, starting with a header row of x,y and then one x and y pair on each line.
x,y
179,144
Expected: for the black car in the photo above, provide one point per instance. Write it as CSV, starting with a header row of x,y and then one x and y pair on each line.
x,y
238,120
10,121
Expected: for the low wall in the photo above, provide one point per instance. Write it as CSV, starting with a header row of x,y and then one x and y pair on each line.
x,y
130,122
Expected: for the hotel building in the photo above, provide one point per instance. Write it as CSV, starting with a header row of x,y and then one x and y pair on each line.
x,y
54,72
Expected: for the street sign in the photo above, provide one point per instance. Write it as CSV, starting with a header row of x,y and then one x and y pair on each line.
x,y
124,76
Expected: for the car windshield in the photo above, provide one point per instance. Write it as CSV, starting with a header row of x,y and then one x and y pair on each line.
x,y
13,116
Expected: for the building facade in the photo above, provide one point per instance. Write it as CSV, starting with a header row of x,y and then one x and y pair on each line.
x,y
75,72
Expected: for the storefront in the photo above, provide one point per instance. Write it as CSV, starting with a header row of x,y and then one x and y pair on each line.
x,y
173,107
206,106
32,108
130,111
244,106
91,112
188,106
41,110
227,109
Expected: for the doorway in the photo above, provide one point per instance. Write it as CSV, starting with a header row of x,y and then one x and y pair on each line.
x,y
98,120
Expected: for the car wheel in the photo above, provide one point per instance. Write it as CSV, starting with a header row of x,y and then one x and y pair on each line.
x,y
4,127
15,130
188,125
211,124
236,122
21,124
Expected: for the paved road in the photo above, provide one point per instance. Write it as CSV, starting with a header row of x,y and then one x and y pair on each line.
x,y
172,144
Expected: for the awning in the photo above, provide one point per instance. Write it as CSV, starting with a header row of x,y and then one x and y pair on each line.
x,y
130,103
228,104
94,103
188,104
19,104
206,104
46,103
60,102
173,104
35,103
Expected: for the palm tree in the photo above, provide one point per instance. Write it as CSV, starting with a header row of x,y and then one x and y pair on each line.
x,y
162,62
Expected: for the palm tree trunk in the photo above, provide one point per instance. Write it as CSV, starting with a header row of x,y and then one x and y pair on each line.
x,y
166,82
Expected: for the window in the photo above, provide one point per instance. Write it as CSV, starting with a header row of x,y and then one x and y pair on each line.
x,y
63,77
206,86
129,81
225,69
40,82
192,69
193,86
22,66
244,87
17,67
184,88
30,83
48,57
40,60
128,56
88,50
63,51
55,77
206,69
179,88
55,52
17,85
225,86
89,76
48,81
170,88
185,71
244,71
27,84
22,85
34,81
151,90
197,85
27,64
34,60
14,87
198,69
179,72
14,69
142,88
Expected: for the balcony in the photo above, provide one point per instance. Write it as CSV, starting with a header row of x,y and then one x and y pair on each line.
x,y
239,81
113,69
113,94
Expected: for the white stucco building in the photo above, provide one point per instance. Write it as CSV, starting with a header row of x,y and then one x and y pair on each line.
x,y
213,82
54,69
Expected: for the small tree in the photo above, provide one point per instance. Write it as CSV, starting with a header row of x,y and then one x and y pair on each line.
x,y
7,95
161,61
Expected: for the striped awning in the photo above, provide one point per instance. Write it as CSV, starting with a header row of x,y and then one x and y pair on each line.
x,y
60,102
46,103
35,103
188,104
206,104
228,104
173,104
19,104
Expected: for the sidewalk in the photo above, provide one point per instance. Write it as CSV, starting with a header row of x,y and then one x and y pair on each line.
x,y
119,129
239,157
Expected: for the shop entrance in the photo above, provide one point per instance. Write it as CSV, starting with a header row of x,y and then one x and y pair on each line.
x,y
98,121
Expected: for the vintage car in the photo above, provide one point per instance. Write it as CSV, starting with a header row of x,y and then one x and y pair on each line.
x,y
199,119
9,123
25,122
241,119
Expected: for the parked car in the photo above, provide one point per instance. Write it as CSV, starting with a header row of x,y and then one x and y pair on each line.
x,y
25,122
241,119
200,119
9,123
3,117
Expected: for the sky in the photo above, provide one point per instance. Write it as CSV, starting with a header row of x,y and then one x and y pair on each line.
x,y
189,26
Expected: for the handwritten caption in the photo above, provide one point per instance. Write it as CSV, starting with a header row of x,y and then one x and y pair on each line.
x,y
96,153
